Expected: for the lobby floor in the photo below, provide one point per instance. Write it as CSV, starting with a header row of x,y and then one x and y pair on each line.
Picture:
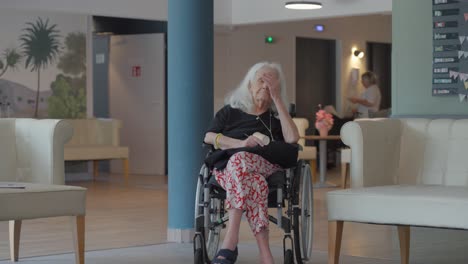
x,y
135,215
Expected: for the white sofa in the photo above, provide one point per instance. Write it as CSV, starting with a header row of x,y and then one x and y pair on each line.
x,y
32,178
404,172
95,140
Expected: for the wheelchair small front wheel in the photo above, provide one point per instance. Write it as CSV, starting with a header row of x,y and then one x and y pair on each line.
x,y
198,257
288,257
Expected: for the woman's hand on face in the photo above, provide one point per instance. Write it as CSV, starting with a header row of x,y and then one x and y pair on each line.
x,y
251,141
273,84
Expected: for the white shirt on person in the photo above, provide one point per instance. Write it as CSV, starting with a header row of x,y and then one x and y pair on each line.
x,y
373,96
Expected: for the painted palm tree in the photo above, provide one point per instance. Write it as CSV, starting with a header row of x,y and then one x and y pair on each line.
x,y
11,59
41,46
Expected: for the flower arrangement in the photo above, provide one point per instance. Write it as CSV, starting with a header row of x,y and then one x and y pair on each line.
x,y
323,120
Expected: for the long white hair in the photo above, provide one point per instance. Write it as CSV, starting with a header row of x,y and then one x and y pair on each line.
x,y
241,97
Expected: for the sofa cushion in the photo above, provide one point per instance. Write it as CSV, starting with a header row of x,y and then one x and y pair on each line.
x,y
418,205
433,152
95,152
40,200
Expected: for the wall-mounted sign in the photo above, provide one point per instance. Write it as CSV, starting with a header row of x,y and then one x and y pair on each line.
x,y
100,58
450,48
136,71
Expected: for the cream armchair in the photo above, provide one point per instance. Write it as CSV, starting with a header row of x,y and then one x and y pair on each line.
x,y
32,178
308,153
404,172
32,150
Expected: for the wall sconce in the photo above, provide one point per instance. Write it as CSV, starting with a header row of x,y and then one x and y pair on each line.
x,y
358,53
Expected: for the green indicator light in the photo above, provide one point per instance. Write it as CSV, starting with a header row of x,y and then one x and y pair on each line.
x,y
269,39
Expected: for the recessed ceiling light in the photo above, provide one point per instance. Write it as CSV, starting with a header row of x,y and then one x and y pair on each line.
x,y
303,5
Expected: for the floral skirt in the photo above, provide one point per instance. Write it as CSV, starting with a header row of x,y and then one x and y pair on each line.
x,y
244,180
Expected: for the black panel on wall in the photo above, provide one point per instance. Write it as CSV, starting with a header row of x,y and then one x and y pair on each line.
x,y
101,76
315,76
127,26
379,61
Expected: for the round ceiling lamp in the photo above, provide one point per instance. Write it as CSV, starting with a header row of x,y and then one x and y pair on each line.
x,y
302,5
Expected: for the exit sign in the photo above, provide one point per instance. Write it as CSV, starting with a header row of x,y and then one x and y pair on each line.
x,y
136,71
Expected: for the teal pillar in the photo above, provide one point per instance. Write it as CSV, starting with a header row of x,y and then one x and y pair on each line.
x,y
190,106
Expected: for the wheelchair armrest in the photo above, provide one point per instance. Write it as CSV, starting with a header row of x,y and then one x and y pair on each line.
x,y
207,146
297,145
210,148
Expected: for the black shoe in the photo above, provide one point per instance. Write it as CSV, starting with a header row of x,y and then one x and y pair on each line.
x,y
229,256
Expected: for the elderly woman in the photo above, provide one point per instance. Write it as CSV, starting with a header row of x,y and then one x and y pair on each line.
x,y
257,105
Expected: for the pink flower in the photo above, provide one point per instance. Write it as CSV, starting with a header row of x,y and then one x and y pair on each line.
x,y
323,120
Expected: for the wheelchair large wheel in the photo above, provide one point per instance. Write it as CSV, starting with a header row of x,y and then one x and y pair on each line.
x,y
212,232
303,217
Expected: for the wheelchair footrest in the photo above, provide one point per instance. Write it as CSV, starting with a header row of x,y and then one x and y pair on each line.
x,y
285,223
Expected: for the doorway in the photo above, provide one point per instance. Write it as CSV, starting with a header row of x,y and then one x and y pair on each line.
x,y
137,98
315,77
130,61
379,61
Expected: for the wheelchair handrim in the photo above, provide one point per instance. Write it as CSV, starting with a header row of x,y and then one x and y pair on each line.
x,y
211,235
306,219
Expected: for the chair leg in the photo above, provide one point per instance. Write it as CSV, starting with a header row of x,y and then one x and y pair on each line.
x,y
95,169
313,169
335,232
79,238
15,233
404,236
125,169
344,174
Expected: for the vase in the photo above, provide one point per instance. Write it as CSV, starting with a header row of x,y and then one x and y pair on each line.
x,y
323,132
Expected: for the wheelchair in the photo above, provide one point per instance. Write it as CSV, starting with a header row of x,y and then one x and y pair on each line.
x,y
290,192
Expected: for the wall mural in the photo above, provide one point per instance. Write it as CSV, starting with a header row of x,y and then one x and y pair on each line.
x,y
43,68
450,50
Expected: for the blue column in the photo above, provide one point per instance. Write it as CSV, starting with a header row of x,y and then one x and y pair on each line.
x,y
190,106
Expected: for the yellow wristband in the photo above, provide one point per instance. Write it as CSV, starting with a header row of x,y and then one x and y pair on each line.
x,y
217,146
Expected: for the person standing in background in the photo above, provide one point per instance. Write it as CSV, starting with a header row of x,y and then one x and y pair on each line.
x,y
369,101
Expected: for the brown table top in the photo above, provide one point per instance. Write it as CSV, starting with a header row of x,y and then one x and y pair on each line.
x,y
318,137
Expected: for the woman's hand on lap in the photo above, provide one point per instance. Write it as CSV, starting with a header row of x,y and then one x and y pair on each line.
x,y
251,141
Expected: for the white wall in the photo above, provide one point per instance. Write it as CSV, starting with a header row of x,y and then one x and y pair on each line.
x,y
237,50
145,9
226,12
262,11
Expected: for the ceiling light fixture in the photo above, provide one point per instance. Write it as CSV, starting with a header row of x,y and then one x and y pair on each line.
x,y
303,5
